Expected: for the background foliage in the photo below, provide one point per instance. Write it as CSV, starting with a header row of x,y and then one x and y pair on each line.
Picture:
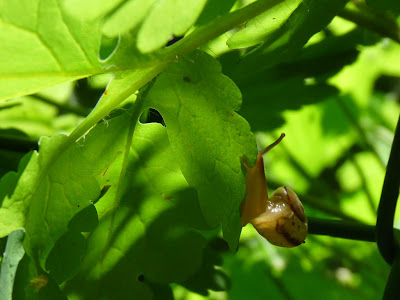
x,y
122,147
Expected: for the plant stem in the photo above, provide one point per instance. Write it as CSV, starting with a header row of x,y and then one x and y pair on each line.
x,y
107,103
392,289
373,20
215,28
387,205
136,110
342,229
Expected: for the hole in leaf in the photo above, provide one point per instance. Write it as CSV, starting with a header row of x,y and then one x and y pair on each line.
x,y
173,39
107,47
85,94
151,116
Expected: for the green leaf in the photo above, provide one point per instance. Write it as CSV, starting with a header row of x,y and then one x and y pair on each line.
x,y
259,28
309,18
11,258
34,284
46,46
65,258
214,9
53,43
161,19
56,184
198,104
151,238
129,15
30,116
166,19
209,277
120,88
121,17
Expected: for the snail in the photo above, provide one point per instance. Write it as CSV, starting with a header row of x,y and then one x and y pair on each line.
x,y
280,219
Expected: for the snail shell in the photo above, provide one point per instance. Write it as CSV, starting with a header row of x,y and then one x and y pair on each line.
x,y
284,222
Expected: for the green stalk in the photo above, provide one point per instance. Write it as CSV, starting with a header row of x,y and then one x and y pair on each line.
x,y
387,205
375,21
392,289
342,229
136,110
104,107
215,28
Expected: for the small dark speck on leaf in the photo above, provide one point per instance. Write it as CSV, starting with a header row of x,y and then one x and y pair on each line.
x,y
78,206
141,278
105,92
186,79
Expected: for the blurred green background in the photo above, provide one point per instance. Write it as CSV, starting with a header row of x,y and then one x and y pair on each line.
x,y
334,156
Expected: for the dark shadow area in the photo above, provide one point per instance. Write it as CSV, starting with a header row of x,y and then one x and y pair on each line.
x,y
164,248
293,81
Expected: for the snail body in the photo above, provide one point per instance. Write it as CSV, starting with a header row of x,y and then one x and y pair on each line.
x,y
280,219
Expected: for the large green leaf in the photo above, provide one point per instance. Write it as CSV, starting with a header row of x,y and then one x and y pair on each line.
x,y
259,28
166,19
151,238
46,46
55,185
155,20
51,44
214,9
309,18
198,104
34,284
